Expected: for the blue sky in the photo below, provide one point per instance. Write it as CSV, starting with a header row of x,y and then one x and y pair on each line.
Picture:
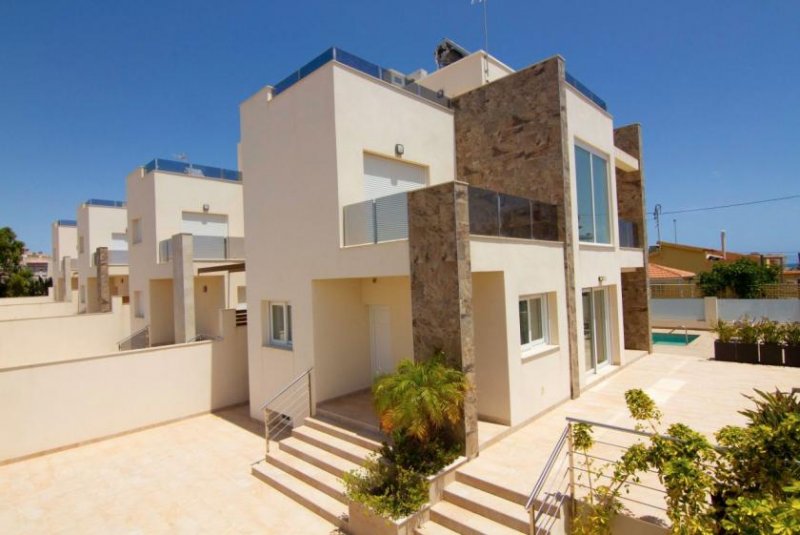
x,y
90,90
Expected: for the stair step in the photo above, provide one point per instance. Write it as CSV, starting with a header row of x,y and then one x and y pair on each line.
x,y
315,500
317,456
317,477
494,507
432,528
332,444
466,522
492,488
349,422
365,439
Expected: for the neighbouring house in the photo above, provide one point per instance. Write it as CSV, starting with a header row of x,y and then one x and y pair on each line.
x,y
666,275
64,235
495,214
693,259
186,228
102,254
38,263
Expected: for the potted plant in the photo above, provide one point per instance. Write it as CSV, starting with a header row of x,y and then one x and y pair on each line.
x,y
791,337
771,335
724,346
747,335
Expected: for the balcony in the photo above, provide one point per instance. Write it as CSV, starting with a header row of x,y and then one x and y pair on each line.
x,y
376,220
629,234
186,168
585,91
207,248
375,71
117,258
490,214
496,214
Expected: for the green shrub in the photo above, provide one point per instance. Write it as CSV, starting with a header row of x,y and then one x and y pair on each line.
x,y
425,457
725,331
790,332
769,331
746,331
386,488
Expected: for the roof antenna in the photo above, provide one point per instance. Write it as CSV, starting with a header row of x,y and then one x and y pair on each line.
x,y
485,23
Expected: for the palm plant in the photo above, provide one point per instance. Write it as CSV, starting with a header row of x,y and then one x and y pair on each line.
x,y
420,399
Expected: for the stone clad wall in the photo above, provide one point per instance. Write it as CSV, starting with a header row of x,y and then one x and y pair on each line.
x,y
103,285
441,285
511,137
631,206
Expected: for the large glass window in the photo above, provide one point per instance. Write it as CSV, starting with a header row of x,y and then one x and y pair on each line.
x,y
533,321
594,221
280,324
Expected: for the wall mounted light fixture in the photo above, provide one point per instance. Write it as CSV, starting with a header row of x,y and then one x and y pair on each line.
x,y
399,149
206,208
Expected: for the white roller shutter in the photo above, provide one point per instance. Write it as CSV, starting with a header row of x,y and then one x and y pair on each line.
x,y
205,224
383,176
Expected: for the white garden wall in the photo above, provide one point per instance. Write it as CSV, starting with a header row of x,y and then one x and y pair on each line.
x,y
53,405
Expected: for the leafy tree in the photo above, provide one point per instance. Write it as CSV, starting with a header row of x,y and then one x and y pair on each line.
x,y
17,280
749,484
744,278
10,251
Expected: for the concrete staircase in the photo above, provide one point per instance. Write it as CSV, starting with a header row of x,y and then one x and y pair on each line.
x,y
307,466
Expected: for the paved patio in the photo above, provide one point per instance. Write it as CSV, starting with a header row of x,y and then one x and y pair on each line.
x,y
191,476
689,388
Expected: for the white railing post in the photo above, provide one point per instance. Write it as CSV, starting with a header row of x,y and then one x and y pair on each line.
x,y
266,428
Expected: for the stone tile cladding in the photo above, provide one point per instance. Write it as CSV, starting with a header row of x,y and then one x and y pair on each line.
x,y
631,206
511,137
441,285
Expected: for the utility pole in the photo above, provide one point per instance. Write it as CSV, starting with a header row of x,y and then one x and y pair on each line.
x,y
657,215
675,230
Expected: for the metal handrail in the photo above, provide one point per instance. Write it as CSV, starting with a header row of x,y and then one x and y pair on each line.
x,y
287,387
547,468
145,329
284,413
633,431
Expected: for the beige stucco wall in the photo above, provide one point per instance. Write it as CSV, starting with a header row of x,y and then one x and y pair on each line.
x,y
14,301
64,403
159,200
46,339
96,224
302,155
41,309
466,74
591,126
64,240
536,380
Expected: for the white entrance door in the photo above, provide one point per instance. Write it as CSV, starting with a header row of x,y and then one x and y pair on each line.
x,y
380,340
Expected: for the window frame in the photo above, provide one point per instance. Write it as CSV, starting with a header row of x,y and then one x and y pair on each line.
x,y
286,311
544,318
594,153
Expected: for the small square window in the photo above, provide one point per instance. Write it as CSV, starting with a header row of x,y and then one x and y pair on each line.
x,y
533,329
280,324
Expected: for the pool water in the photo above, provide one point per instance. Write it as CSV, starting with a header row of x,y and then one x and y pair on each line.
x,y
674,339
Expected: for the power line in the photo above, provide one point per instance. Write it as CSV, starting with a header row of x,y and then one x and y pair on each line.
x,y
734,205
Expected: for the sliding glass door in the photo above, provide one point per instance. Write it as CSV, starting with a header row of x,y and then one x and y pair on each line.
x,y
595,328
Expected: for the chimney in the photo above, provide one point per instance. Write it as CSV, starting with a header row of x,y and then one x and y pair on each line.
x,y
722,240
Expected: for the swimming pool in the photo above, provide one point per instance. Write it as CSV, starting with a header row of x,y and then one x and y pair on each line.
x,y
674,339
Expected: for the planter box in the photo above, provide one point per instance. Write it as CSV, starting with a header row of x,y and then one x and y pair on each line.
x,y
363,521
792,356
725,351
771,354
747,353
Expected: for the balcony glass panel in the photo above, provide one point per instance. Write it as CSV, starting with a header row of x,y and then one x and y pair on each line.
x,y
391,217
628,234
359,223
484,218
515,217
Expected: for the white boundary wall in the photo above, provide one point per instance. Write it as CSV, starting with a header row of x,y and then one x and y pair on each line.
x,y
704,313
36,340
59,404
37,309
25,300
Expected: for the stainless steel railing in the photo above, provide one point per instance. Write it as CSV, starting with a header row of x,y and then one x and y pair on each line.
x,y
570,476
292,402
138,340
